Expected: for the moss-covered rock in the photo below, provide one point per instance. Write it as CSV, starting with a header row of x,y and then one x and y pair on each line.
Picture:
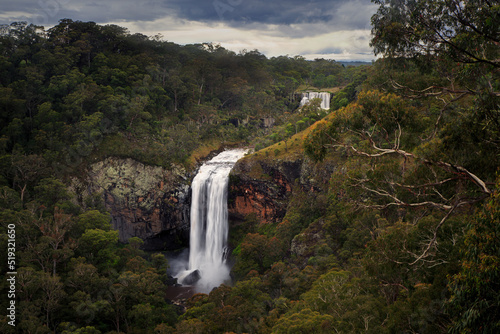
x,y
149,202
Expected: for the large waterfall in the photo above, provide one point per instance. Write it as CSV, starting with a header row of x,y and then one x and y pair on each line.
x,y
209,226
324,96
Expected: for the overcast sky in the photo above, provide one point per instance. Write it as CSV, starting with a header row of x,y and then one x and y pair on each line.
x,y
331,29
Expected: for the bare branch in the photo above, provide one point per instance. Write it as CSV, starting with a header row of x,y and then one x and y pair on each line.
x,y
425,185
434,237
441,112
440,206
458,169
434,90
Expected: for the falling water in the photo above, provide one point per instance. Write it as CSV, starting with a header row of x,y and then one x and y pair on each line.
x,y
325,99
209,225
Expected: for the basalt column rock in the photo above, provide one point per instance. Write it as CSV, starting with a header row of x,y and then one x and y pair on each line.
x,y
148,202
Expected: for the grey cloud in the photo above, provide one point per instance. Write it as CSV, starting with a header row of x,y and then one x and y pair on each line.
x,y
335,14
326,51
241,12
49,12
277,20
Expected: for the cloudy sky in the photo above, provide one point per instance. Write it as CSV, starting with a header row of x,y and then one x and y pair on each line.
x,y
331,29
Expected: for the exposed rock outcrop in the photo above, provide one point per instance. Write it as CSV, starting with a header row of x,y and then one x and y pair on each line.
x,y
148,202
153,203
262,186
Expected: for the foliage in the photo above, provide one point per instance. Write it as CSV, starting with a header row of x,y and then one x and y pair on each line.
x,y
305,321
74,276
415,150
257,252
463,31
474,303
80,90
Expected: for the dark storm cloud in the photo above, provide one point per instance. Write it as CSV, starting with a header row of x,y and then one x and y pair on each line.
x,y
49,12
335,27
236,13
241,12
244,11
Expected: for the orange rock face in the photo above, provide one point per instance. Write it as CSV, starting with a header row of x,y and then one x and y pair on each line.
x,y
254,202
264,194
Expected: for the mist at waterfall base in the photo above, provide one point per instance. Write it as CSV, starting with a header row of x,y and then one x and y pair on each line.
x,y
209,226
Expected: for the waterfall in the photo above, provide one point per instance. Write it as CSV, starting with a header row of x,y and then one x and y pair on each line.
x,y
209,223
324,96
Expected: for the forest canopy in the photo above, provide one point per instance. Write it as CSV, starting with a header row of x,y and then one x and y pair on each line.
x,y
71,88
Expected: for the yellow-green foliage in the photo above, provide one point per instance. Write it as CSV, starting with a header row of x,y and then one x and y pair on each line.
x,y
202,152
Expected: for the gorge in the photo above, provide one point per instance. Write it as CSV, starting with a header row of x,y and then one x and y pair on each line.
x,y
378,215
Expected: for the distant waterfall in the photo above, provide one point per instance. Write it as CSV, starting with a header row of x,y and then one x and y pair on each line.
x,y
209,223
325,99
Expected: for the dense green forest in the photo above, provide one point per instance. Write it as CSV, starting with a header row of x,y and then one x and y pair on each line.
x,y
68,90
403,238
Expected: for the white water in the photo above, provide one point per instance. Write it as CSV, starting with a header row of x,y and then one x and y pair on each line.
x,y
209,225
324,96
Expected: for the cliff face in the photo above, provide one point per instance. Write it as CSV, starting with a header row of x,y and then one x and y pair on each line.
x,y
259,187
263,186
148,202
153,203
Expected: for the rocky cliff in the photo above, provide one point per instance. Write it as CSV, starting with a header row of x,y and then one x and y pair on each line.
x,y
153,203
280,189
262,185
148,202
262,188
